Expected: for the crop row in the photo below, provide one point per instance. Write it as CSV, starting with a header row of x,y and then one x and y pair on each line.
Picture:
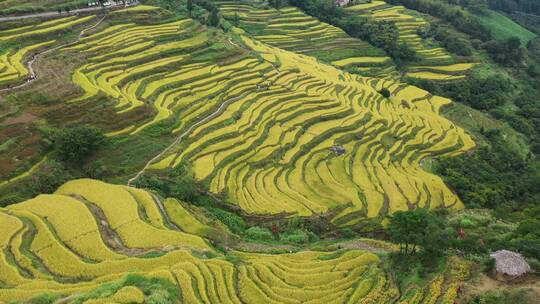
x,y
291,29
12,67
40,253
272,149
42,28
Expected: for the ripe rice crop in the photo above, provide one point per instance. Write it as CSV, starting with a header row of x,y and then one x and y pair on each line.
x,y
291,29
123,216
268,140
43,28
408,23
43,263
11,63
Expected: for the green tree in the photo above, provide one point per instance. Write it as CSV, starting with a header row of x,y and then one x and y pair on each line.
x,y
189,5
385,92
236,19
277,4
213,20
478,6
419,230
77,143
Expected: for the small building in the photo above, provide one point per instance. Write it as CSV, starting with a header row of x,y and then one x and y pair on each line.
x,y
509,265
339,150
343,2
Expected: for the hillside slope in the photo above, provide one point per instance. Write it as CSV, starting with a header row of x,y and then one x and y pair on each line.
x,y
92,242
274,130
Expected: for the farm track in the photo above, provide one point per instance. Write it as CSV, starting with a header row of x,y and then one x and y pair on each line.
x,y
187,132
30,64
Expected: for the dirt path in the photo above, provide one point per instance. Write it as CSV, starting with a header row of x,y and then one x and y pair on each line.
x,y
186,133
361,245
30,64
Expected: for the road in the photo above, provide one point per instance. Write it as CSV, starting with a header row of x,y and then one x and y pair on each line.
x,y
186,133
65,14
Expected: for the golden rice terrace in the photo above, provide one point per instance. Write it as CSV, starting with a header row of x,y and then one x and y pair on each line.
x,y
69,243
274,130
271,116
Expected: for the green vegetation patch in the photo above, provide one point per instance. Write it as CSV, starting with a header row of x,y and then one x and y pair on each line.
x,y
503,27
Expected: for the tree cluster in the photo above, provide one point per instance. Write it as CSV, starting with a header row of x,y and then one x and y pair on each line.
x,y
420,231
382,34
460,18
510,6
507,52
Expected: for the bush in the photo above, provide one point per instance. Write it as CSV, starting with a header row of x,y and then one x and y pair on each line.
x,y
347,233
298,236
235,223
259,234
46,298
385,92
76,143
49,177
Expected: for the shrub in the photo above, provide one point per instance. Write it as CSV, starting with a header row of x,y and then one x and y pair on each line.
x,y
385,92
235,223
45,298
259,234
49,177
298,236
160,296
76,143
347,233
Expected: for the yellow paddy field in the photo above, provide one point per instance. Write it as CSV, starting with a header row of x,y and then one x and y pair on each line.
x,y
85,243
274,130
436,63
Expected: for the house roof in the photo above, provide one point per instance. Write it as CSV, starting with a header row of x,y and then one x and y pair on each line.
x,y
510,263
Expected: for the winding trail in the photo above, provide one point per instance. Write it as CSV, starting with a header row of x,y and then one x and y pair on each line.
x,y
30,64
181,136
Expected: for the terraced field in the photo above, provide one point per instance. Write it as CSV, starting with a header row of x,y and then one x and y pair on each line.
x,y
273,130
11,63
12,67
293,30
272,117
42,28
21,7
89,233
436,62
139,68
274,147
